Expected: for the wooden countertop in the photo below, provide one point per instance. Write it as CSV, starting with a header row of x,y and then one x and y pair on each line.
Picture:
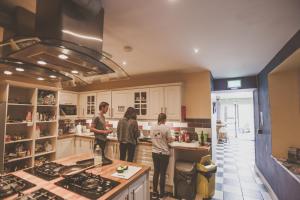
x,y
105,171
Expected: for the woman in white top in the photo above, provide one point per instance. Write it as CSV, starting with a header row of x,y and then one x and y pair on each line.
x,y
161,136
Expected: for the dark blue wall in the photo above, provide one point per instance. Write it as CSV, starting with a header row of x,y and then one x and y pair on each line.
x,y
282,183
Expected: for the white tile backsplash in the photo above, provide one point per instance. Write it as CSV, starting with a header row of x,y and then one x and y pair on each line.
x,y
205,130
147,125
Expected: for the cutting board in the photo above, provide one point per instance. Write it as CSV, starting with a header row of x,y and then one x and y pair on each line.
x,y
127,174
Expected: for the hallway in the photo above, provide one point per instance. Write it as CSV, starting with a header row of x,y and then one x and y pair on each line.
x,y
236,178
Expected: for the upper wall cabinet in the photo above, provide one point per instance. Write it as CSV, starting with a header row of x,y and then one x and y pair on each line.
x,y
173,102
166,100
104,97
87,105
141,103
68,98
121,100
156,98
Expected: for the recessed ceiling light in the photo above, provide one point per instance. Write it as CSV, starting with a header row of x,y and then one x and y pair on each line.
x,y
196,50
19,69
63,56
124,63
52,76
74,72
41,62
40,79
7,72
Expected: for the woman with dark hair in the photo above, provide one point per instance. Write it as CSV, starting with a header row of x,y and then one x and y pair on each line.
x,y
128,132
161,137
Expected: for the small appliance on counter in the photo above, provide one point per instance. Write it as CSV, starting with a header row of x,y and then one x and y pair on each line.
x,y
67,110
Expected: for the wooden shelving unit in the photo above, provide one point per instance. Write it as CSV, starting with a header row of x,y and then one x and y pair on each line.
x,y
28,123
18,141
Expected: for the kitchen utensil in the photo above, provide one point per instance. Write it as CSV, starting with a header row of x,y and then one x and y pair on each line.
x,y
70,170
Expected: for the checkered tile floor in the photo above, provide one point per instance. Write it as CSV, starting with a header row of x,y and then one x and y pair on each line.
x,y
236,178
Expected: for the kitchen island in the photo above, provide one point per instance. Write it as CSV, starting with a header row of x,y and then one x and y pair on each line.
x,y
192,152
136,187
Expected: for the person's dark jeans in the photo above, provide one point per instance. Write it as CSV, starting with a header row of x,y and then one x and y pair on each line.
x,y
102,145
160,162
129,149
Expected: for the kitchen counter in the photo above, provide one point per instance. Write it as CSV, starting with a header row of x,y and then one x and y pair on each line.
x,y
176,145
105,171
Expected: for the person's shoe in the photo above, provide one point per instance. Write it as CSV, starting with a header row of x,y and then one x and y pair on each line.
x,y
155,195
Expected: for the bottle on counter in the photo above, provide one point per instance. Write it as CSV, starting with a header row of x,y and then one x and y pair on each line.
x,y
202,138
98,156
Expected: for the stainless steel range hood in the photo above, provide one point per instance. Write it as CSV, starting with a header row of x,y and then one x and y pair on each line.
x,y
67,39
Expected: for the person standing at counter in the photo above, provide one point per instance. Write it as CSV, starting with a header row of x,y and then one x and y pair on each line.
x,y
161,137
99,129
128,132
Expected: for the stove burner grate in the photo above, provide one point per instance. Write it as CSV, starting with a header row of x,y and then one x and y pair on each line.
x,y
88,185
11,184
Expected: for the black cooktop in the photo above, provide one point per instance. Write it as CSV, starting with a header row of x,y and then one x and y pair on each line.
x,y
47,171
11,184
88,185
40,194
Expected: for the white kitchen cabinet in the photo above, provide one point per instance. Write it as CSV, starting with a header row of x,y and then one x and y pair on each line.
x,y
68,98
87,105
112,150
121,100
84,145
65,147
173,102
141,102
104,97
139,189
156,98
167,100
124,195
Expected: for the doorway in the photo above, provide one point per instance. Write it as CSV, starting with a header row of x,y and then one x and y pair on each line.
x,y
235,113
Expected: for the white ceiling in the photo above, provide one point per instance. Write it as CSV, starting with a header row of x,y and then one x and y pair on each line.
x,y
234,37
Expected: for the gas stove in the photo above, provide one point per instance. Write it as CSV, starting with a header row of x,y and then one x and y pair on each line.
x,y
11,184
40,194
88,185
47,171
